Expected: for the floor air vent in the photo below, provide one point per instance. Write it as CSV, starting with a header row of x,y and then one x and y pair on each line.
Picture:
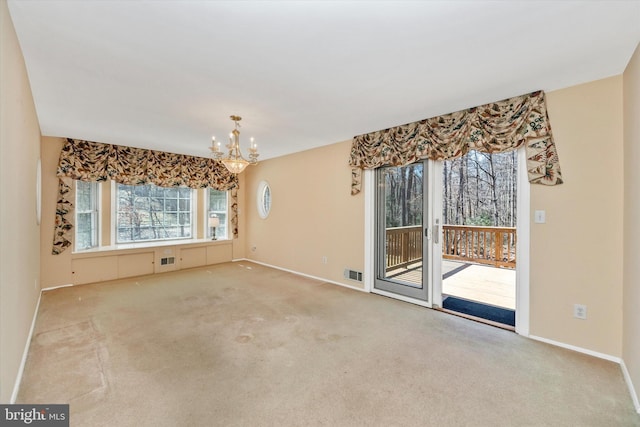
x,y
353,275
166,261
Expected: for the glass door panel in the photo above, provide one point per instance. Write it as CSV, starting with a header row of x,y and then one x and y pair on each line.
x,y
401,245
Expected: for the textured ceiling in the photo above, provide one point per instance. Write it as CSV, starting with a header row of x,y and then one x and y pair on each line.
x,y
168,74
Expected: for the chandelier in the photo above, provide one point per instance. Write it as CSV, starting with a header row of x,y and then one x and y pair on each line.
x,y
234,161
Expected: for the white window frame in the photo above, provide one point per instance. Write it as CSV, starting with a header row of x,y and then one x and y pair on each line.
x,y
95,216
114,222
263,199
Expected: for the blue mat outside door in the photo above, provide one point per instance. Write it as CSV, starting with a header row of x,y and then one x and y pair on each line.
x,y
472,308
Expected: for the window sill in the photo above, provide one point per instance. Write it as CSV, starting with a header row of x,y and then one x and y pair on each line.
x,y
146,246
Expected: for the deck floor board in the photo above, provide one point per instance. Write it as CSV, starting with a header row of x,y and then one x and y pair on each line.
x,y
481,283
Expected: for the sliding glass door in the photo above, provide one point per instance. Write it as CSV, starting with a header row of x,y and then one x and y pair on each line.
x,y
404,243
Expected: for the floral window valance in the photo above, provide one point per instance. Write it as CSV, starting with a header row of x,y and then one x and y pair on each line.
x,y
500,126
93,161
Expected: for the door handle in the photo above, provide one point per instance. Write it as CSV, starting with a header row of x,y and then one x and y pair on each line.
x,y
436,232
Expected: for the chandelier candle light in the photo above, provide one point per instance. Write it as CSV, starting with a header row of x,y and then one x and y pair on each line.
x,y
234,161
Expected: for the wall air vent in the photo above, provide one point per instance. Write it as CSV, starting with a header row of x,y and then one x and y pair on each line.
x,y
166,261
353,275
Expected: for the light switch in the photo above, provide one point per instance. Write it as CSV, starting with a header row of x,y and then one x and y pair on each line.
x,y
540,217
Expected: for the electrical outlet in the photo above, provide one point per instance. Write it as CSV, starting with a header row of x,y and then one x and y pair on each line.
x,y
579,311
253,248
324,260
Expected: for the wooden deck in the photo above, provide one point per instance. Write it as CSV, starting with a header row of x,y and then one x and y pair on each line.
x,y
481,283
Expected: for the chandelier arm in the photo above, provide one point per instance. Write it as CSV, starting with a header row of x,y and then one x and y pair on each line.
x,y
235,162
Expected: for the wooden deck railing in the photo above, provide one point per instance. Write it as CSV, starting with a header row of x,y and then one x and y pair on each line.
x,y
404,246
484,245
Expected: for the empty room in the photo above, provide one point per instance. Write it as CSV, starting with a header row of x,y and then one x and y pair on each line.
x,y
338,213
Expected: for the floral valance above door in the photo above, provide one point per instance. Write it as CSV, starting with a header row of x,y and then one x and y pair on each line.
x,y
93,161
500,126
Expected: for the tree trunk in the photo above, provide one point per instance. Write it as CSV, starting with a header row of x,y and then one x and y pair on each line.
x,y
460,212
445,194
409,197
514,188
494,194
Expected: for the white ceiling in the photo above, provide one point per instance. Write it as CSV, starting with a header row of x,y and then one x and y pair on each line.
x,y
168,74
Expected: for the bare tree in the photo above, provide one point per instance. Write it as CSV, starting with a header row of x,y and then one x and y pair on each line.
x,y
445,192
480,189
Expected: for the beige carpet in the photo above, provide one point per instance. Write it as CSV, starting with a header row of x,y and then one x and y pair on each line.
x,y
240,344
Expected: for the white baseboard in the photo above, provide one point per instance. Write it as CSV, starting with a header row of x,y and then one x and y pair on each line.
x,y
578,349
623,367
302,274
25,353
57,287
632,390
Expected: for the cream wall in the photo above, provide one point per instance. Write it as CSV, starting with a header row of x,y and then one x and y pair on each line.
x,y
19,231
631,287
313,214
576,257
56,269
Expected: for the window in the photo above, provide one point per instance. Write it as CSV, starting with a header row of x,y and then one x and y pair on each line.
x,y
86,215
147,213
217,205
264,199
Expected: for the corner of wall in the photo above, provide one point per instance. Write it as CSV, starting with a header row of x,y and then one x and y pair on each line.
x,y
55,271
315,227
631,228
19,254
